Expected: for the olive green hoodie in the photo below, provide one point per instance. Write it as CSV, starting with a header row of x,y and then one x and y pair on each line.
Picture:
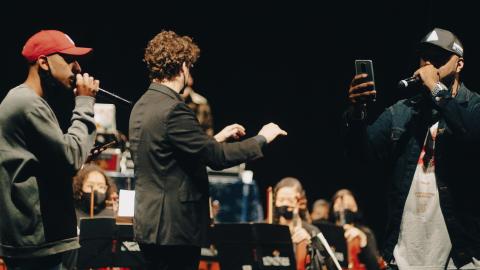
x,y
37,162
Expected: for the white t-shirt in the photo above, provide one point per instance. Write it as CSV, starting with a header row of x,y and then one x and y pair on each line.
x,y
423,242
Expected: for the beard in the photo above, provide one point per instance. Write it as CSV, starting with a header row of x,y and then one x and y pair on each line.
x,y
60,99
448,81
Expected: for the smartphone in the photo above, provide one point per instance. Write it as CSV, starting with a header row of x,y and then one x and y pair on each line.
x,y
366,66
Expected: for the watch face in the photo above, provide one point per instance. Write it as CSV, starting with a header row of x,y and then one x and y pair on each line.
x,y
439,90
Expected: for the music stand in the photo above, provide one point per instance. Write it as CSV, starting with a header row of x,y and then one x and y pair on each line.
x,y
336,240
106,244
254,246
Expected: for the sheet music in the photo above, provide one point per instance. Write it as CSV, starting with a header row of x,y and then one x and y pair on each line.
x,y
126,203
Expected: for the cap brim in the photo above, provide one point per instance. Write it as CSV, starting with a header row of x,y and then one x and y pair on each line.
x,y
427,46
77,51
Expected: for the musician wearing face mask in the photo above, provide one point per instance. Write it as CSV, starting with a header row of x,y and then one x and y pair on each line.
x,y
288,193
345,213
91,178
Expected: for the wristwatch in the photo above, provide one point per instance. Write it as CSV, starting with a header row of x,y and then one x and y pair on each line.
x,y
439,91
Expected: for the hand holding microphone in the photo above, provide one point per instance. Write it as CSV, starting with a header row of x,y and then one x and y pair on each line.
x,y
428,75
407,82
85,85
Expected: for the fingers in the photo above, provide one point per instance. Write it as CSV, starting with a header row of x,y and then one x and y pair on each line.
x,y
96,84
271,131
358,77
300,234
428,74
361,87
86,85
87,79
279,130
363,94
235,131
238,127
283,132
351,233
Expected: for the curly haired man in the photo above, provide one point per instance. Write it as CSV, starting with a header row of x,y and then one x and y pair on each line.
x,y
171,151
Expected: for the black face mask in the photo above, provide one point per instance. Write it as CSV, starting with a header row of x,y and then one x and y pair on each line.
x,y
283,211
346,217
98,202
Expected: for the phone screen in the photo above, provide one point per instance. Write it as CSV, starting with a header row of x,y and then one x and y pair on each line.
x,y
366,66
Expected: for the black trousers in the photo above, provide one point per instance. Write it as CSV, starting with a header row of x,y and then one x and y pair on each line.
x,y
171,257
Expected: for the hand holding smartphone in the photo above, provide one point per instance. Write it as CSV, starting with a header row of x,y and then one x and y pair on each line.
x,y
366,67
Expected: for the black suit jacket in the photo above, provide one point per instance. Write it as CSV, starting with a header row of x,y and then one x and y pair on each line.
x,y
171,152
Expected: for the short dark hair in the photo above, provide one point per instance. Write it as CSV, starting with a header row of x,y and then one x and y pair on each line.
x,y
166,53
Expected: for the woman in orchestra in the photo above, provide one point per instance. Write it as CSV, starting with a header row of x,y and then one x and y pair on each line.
x,y
287,195
361,240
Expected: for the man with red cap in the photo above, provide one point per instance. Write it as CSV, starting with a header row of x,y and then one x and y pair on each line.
x,y
37,159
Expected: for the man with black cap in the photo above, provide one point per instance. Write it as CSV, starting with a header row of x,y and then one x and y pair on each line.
x,y
431,143
38,160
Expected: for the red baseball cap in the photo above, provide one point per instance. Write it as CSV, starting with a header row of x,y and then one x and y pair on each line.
x,y
48,42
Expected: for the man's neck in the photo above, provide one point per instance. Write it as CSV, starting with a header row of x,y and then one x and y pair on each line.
x,y
176,84
33,81
455,87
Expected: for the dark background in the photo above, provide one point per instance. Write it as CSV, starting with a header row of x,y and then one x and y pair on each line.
x,y
261,62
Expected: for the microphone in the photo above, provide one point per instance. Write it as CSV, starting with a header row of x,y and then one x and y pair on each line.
x,y
112,95
409,82
105,93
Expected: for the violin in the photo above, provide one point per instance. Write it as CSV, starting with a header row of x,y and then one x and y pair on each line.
x,y
354,263
2,265
354,250
301,252
208,265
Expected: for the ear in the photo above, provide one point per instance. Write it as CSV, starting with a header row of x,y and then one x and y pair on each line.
x,y
460,64
184,67
43,62
185,70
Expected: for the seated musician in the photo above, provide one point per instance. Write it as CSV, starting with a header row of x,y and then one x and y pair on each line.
x,y
345,212
287,195
92,178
